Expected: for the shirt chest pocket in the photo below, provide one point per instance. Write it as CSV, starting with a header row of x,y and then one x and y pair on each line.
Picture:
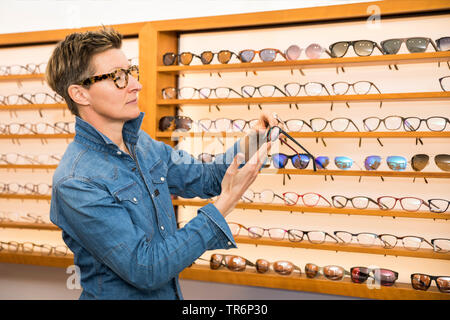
x,y
158,172
130,193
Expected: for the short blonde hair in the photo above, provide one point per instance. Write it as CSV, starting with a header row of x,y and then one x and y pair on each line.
x,y
70,62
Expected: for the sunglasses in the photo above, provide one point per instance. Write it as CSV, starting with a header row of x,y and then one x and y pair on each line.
x,y
395,163
420,281
184,58
385,277
361,47
313,51
181,123
417,44
274,133
266,55
443,44
331,272
299,161
232,262
420,161
281,267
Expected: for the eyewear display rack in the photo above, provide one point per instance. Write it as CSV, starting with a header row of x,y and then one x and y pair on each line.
x,y
157,38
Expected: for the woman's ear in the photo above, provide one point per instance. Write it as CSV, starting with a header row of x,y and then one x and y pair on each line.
x,y
79,94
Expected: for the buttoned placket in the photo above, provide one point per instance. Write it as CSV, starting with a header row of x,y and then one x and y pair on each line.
x,y
162,228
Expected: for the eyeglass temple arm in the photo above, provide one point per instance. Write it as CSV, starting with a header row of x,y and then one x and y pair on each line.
x,y
284,93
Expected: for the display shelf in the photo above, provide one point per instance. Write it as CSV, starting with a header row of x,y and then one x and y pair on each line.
x,y
375,60
322,134
28,225
25,196
345,287
29,166
325,210
270,279
37,136
384,97
23,77
36,259
397,251
49,106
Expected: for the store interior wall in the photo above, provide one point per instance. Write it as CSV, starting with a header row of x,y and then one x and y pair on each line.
x,y
36,282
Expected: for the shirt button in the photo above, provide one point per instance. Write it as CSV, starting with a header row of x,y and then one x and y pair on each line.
x,y
229,243
119,153
134,199
162,179
162,227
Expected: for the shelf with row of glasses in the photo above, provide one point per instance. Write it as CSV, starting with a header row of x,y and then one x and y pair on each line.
x,y
338,247
320,209
320,134
250,277
294,281
50,106
378,97
38,136
20,77
28,225
29,166
375,60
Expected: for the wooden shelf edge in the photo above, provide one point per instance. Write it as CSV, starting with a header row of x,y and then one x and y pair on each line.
x,y
325,210
29,166
322,134
36,259
375,60
331,246
400,291
34,106
28,225
385,97
25,196
37,136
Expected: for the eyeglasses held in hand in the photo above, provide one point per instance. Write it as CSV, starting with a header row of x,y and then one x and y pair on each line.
x,y
420,281
266,55
385,277
330,272
281,267
119,76
274,133
417,44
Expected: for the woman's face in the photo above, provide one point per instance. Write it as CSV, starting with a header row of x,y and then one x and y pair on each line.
x,y
105,99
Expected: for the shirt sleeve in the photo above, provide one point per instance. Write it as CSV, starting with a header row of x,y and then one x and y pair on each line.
x,y
188,177
93,218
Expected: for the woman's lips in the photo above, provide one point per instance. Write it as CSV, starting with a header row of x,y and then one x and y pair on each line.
x,y
132,101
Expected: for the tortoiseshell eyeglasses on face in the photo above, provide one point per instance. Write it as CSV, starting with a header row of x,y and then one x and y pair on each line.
x,y
119,76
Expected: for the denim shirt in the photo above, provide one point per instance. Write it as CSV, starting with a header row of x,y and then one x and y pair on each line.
x,y
117,217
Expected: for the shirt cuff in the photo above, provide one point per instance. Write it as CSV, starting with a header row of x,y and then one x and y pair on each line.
x,y
219,225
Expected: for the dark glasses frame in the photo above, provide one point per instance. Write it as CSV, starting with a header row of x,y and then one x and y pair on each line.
x,y
257,89
423,286
361,276
166,122
347,199
175,58
218,54
404,40
113,76
281,267
431,205
441,82
352,44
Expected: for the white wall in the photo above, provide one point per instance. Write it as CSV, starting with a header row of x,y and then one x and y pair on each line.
x,y
34,15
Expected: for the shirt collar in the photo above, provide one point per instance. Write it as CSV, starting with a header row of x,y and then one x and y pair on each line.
x,y
130,131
